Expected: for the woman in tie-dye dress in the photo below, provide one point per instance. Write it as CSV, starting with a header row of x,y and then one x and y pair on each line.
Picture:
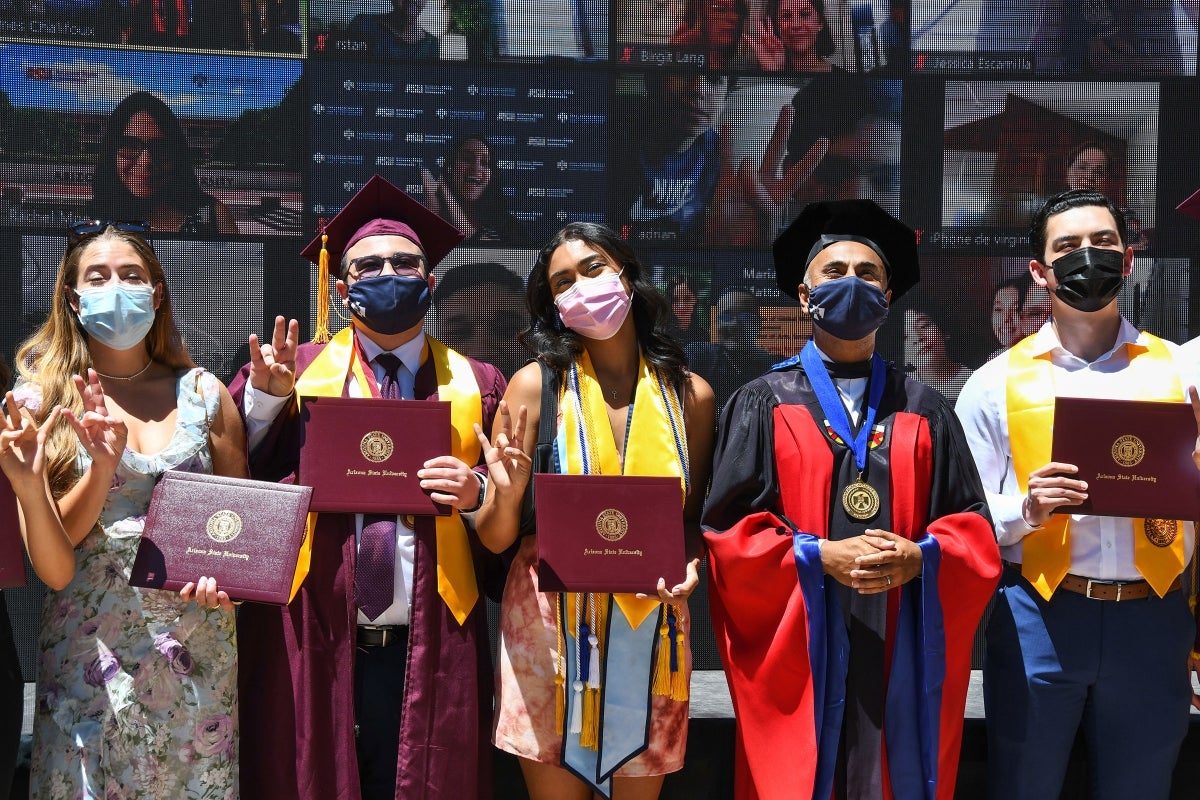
x,y
625,390
137,690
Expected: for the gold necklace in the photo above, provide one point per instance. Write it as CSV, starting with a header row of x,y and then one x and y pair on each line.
x,y
125,377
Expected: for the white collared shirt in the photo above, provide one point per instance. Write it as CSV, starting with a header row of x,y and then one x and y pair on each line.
x,y
851,390
1101,547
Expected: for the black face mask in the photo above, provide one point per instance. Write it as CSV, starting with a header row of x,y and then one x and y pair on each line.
x,y
1089,278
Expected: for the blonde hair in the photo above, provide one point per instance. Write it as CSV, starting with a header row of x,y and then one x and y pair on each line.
x,y
59,349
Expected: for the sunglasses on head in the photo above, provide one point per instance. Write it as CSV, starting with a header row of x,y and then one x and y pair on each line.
x,y
90,227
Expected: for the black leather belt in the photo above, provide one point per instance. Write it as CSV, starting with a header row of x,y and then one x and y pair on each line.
x,y
381,635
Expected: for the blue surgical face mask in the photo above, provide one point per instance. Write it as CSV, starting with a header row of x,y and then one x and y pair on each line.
x,y
118,316
390,304
848,308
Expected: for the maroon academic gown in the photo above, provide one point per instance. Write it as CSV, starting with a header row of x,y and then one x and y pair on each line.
x,y
296,663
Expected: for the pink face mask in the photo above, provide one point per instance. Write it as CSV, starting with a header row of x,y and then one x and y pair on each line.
x,y
595,307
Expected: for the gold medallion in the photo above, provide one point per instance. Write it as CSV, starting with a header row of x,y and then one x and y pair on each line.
x,y
860,500
223,526
1161,532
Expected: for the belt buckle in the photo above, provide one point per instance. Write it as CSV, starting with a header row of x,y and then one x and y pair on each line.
x,y
384,633
1088,591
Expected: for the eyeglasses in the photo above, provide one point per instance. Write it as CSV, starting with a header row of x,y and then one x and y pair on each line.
x,y
131,148
372,266
90,227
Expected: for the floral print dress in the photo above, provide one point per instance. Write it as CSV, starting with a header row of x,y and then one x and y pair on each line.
x,y
137,690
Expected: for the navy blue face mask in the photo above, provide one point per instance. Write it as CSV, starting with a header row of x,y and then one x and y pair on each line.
x,y
848,308
390,304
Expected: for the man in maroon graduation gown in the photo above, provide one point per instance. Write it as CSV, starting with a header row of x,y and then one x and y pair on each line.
x,y
844,508
343,694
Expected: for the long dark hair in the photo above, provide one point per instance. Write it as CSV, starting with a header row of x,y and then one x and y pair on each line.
x,y
489,208
557,346
110,198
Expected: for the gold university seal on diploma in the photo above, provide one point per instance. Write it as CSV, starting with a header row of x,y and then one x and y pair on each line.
x,y
223,526
1128,451
612,525
860,500
376,447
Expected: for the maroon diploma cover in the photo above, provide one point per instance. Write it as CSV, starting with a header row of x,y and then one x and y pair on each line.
x,y
1135,455
608,533
249,535
362,454
12,549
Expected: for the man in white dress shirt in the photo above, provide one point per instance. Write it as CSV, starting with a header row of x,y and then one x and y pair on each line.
x,y
1090,627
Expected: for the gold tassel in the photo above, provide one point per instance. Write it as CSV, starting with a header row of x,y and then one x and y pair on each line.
x,y
321,333
679,678
662,664
1194,593
560,679
559,701
589,737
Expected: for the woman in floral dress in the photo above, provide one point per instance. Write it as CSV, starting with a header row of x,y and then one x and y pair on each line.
x,y
137,690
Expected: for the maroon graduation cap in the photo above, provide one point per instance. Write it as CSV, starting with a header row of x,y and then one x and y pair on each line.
x,y
379,208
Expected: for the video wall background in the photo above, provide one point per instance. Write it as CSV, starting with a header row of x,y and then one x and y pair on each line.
x,y
697,128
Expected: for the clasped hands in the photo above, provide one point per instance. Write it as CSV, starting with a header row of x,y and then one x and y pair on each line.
x,y
874,562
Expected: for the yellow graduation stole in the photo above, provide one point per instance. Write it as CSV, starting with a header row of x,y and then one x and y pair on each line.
x,y
653,447
656,444
326,377
1046,552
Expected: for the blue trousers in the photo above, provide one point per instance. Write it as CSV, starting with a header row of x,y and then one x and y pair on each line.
x,y
1119,669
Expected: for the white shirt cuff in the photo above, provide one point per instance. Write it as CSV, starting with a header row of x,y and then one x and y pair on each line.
x,y
260,410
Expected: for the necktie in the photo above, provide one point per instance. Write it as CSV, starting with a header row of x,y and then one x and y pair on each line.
x,y
375,571
394,373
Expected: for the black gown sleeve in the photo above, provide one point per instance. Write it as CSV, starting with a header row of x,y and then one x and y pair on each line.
x,y
956,486
744,479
